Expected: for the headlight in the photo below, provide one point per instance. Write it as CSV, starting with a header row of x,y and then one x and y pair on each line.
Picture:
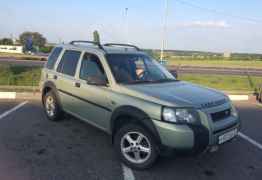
x,y
180,115
169,115
234,111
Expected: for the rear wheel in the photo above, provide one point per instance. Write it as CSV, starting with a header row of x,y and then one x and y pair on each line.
x,y
135,146
52,109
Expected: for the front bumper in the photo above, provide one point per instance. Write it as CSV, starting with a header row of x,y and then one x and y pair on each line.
x,y
190,138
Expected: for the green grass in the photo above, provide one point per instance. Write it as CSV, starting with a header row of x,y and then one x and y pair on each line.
x,y
216,63
19,76
224,82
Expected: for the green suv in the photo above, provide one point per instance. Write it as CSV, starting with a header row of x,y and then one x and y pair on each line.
x,y
145,109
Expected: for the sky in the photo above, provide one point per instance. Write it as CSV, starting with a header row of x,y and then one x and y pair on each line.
x,y
205,25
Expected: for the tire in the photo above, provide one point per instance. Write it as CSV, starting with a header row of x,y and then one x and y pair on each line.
x,y
52,109
141,153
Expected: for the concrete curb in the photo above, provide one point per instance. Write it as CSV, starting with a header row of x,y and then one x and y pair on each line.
x,y
37,95
20,95
239,97
7,95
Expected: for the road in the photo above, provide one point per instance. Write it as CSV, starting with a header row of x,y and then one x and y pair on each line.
x,y
217,70
31,147
13,62
181,69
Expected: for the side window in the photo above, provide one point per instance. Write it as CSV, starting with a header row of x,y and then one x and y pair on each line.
x,y
69,62
53,57
91,67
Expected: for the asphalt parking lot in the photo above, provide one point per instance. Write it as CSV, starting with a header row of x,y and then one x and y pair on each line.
x,y
31,147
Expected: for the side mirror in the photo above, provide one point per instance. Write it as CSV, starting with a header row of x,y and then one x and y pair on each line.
x,y
97,80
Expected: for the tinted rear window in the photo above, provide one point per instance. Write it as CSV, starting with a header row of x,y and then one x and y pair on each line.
x,y
53,57
69,62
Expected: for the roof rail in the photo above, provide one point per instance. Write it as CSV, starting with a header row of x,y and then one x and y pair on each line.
x,y
124,45
88,42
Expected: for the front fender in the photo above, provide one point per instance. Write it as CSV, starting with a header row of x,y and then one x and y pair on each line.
x,y
136,116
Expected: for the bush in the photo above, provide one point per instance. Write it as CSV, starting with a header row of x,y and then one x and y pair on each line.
x,y
46,49
6,41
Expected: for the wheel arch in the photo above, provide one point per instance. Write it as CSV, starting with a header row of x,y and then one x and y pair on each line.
x,y
130,114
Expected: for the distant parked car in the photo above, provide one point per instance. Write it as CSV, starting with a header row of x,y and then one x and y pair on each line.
x,y
163,61
174,73
258,93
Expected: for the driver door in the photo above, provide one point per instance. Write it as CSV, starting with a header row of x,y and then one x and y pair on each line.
x,y
93,102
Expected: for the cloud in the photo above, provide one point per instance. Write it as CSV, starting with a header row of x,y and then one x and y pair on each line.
x,y
205,24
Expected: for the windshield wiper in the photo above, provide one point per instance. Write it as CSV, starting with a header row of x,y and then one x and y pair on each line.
x,y
165,80
141,82
152,81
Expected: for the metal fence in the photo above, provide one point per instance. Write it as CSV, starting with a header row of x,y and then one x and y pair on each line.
x,y
20,83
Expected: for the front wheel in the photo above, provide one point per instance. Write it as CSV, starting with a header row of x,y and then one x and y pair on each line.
x,y
136,147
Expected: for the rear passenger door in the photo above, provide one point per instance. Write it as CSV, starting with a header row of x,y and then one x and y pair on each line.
x,y
65,78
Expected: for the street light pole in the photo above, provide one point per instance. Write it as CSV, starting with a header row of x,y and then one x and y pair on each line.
x,y
164,40
126,24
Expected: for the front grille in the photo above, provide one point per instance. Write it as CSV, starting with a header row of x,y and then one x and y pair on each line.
x,y
221,115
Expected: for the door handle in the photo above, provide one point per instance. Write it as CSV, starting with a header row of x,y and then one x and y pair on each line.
x,y
77,84
55,77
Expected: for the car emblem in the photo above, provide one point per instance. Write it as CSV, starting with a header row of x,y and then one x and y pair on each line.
x,y
213,103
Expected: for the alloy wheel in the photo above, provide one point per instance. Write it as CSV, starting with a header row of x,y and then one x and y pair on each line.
x,y
135,147
50,106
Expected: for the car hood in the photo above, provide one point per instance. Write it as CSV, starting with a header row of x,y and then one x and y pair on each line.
x,y
180,93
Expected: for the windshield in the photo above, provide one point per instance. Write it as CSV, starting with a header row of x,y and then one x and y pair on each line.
x,y
136,68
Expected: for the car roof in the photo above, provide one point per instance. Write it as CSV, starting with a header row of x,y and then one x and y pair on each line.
x,y
105,50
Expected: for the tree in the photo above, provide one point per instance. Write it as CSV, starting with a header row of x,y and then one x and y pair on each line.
x,y
96,36
6,41
33,38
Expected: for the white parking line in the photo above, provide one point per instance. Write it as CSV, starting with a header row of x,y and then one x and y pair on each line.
x,y
128,173
6,113
255,143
